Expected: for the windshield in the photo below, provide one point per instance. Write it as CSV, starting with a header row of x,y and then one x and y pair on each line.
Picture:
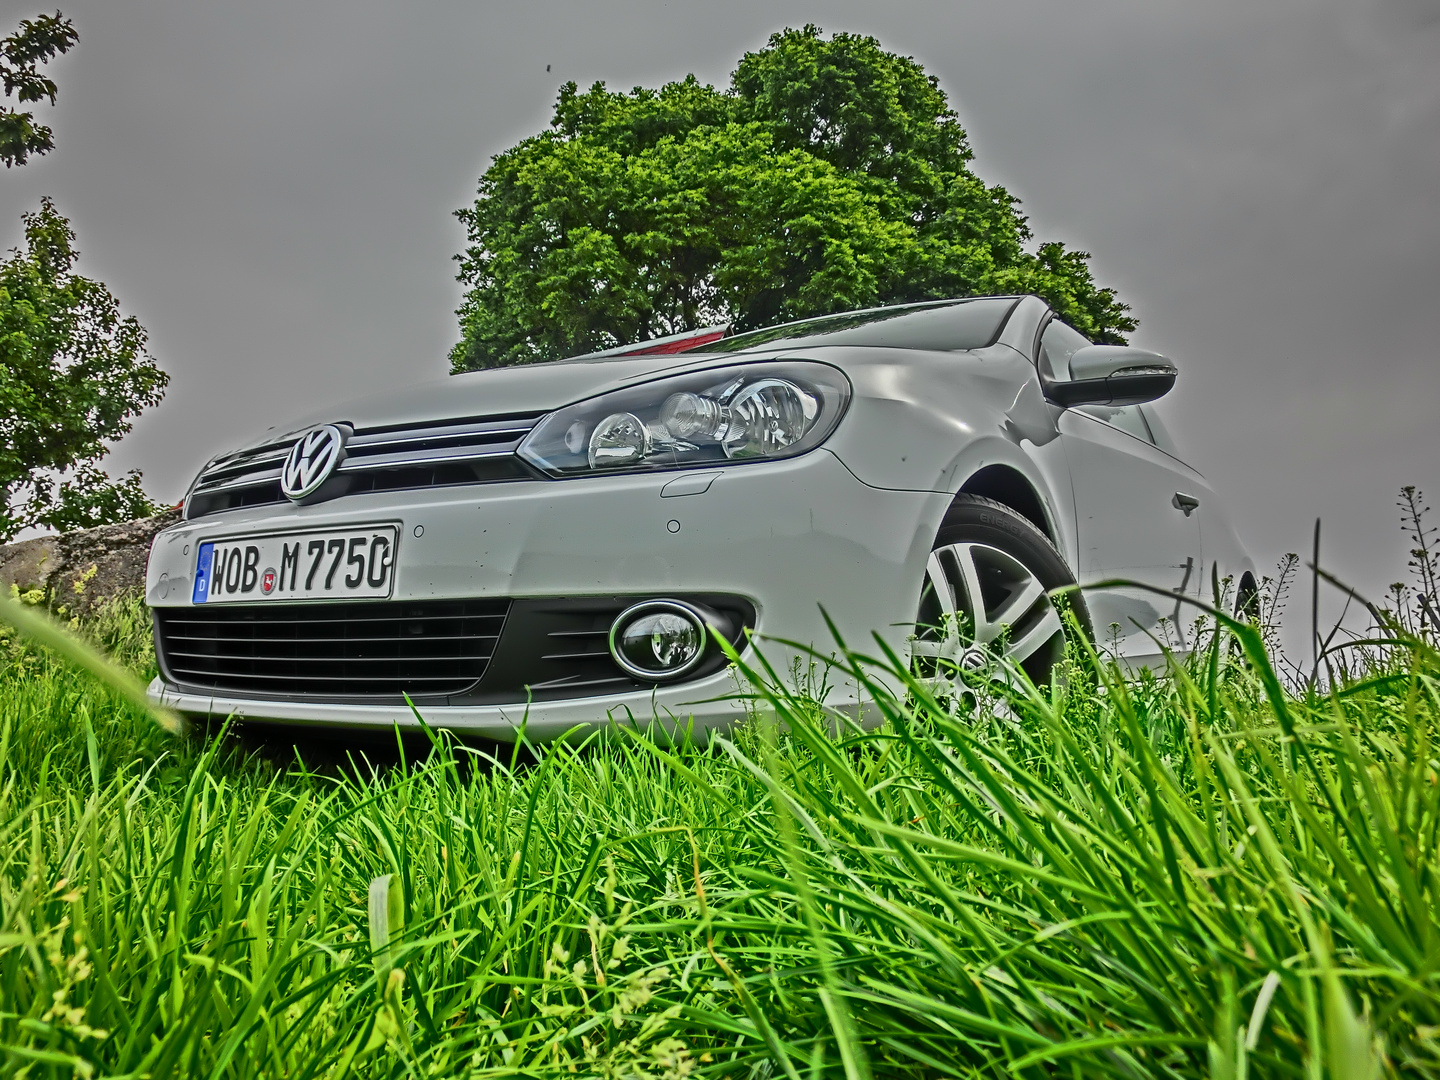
x,y
946,325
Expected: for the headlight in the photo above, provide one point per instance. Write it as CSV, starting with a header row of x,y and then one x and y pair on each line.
x,y
756,412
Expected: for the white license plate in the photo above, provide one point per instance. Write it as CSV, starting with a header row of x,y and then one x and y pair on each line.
x,y
352,563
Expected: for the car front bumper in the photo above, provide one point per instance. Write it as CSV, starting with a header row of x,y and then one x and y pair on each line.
x,y
798,539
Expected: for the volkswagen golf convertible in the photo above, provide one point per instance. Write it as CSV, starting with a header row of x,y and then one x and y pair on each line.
x,y
562,542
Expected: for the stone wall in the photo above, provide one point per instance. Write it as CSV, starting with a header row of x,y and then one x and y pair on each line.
x,y
106,562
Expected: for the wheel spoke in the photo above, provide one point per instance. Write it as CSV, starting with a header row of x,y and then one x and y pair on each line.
x,y
1018,604
964,555
1048,626
940,584
930,650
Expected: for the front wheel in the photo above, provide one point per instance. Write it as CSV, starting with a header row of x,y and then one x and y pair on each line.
x,y
986,597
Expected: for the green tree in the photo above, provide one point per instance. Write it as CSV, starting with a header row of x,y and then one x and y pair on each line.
x,y
36,42
74,372
830,175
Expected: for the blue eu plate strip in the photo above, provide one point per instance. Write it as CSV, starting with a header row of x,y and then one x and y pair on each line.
x,y
203,560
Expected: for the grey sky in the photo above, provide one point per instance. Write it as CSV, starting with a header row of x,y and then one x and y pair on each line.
x,y
269,187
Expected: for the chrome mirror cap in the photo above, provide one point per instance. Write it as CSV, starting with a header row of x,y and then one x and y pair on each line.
x,y
1113,375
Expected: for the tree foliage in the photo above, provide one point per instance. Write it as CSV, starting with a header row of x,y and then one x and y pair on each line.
x,y
73,373
37,41
830,175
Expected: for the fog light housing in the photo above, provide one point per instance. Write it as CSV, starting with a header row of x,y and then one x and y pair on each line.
x,y
660,640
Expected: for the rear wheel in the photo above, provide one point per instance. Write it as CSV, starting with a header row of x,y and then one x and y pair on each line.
x,y
1247,602
1247,610
985,602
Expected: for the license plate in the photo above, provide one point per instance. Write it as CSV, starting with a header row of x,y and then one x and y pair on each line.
x,y
352,563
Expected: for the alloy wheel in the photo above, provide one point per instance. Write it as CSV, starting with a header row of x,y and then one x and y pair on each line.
x,y
981,611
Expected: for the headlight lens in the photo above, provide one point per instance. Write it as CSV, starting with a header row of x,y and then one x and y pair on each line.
x,y
749,413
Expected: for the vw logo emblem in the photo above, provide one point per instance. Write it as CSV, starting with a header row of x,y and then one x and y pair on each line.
x,y
311,461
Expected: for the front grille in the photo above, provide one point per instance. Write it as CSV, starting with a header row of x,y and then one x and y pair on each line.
x,y
561,648
438,454
331,651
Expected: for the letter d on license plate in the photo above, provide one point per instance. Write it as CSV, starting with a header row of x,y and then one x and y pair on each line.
x,y
352,563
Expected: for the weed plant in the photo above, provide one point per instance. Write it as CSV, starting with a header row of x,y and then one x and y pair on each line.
x,y
1205,874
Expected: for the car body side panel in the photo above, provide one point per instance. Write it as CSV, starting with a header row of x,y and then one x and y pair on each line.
x,y
930,421
1225,560
1129,528
1221,544
1224,556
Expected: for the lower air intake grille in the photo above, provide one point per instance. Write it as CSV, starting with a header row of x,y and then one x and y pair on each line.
x,y
331,651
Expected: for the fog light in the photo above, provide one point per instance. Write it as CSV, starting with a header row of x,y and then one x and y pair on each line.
x,y
659,639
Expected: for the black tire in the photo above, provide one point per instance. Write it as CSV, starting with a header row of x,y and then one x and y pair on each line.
x,y
992,539
1247,602
1247,610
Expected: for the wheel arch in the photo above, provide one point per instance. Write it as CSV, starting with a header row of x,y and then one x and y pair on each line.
x,y
1009,486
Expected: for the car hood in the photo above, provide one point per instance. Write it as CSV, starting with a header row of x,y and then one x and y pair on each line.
x,y
533,389
527,389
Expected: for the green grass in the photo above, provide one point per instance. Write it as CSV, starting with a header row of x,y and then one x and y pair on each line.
x,y
1202,875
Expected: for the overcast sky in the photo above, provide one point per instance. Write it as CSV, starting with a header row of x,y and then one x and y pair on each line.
x,y
269,187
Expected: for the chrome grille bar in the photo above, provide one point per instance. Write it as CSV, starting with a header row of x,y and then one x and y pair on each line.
x,y
438,434
425,457
240,480
441,453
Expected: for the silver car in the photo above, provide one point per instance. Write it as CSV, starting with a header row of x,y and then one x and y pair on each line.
x,y
560,543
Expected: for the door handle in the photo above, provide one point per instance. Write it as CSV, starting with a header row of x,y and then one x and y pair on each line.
x,y
1187,503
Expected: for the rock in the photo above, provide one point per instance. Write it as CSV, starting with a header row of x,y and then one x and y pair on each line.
x,y
83,569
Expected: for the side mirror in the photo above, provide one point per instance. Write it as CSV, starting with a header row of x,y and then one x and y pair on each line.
x,y
1112,375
